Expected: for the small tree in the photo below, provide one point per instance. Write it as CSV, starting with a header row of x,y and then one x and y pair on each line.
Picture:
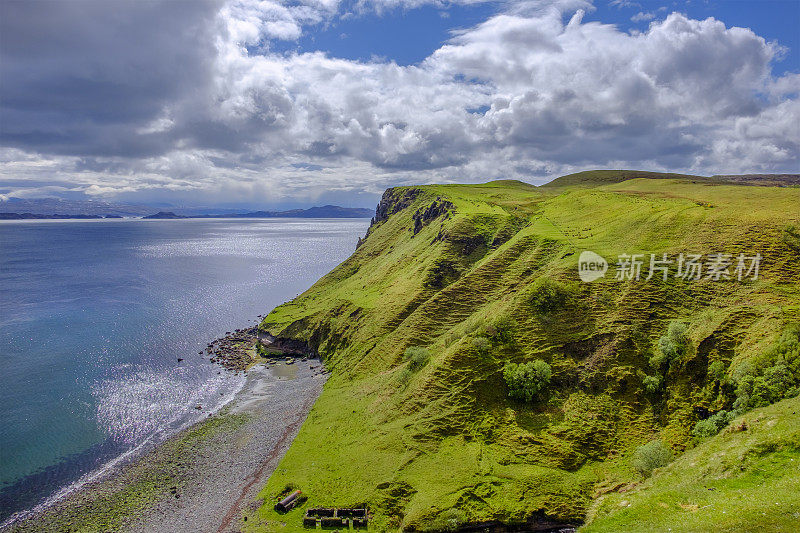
x,y
671,346
716,371
417,356
650,456
501,331
652,384
525,381
548,295
772,377
712,425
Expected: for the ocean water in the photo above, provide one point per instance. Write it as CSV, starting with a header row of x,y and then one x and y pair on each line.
x,y
95,314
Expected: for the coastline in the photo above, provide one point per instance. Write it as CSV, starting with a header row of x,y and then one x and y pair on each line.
x,y
204,477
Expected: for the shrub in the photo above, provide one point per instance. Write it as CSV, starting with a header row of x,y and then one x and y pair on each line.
x,y
712,425
774,377
501,331
548,295
525,381
716,371
650,456
449,520
417,357
775,384
652,384
779,382
787,349
481,345
671,346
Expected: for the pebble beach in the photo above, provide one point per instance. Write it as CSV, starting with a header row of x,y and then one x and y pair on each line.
x,y
205,478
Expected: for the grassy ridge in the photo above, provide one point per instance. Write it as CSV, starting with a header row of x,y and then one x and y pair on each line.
x,y
444,265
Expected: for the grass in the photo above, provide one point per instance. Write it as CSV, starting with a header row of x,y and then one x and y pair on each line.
x,y
739,480
412,446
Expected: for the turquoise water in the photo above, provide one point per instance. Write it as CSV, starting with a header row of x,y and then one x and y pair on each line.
x,y
94,315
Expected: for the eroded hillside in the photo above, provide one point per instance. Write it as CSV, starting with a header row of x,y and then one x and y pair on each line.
x,y
486,275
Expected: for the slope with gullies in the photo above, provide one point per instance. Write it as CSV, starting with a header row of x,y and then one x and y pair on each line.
x,y
485,275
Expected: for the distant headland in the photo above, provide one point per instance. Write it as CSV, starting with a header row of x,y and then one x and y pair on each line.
x,y
326,211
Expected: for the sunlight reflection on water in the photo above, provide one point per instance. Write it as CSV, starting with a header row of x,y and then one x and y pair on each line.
x,y
96,315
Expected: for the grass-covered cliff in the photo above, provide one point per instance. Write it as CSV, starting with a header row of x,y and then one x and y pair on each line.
x,y
481,276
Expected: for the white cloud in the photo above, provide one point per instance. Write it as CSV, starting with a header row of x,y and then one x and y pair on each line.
x,y
619,4
642,17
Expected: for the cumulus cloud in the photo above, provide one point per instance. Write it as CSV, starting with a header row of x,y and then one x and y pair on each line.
x,y
194,99
643,17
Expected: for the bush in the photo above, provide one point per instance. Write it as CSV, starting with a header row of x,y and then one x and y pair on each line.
x,y
671,346
779,382
775,384
650,456
712,425
548,295
525,381
481,345
775,377
652,384
417,357
716,371
501,331
787,349
449,520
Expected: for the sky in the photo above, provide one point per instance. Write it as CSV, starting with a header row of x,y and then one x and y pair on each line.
x,y
267,103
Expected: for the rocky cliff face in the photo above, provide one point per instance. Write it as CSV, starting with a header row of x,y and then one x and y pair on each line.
x,y
425,215
286,345
394,200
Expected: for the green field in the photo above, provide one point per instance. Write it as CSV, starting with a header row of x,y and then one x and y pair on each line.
x,y
485,275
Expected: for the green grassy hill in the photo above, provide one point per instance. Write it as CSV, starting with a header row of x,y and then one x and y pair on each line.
x,y
744,479
486,275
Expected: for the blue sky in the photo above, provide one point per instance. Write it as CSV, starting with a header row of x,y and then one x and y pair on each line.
x,y
273,103
408,36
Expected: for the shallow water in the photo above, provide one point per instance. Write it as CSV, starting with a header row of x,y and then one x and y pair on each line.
x,y
94,315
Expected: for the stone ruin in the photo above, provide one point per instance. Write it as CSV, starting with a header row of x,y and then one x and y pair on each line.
x,y
336,517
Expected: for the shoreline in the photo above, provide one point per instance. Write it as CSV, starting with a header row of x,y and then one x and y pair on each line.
x,y
204,475
116,464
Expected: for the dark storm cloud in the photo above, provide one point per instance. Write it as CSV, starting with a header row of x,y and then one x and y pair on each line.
x,y
82,77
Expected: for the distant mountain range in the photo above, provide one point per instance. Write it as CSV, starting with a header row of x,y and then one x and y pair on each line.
x,y
326,211
58,208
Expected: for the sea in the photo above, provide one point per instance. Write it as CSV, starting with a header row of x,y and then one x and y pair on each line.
x,y
94,315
